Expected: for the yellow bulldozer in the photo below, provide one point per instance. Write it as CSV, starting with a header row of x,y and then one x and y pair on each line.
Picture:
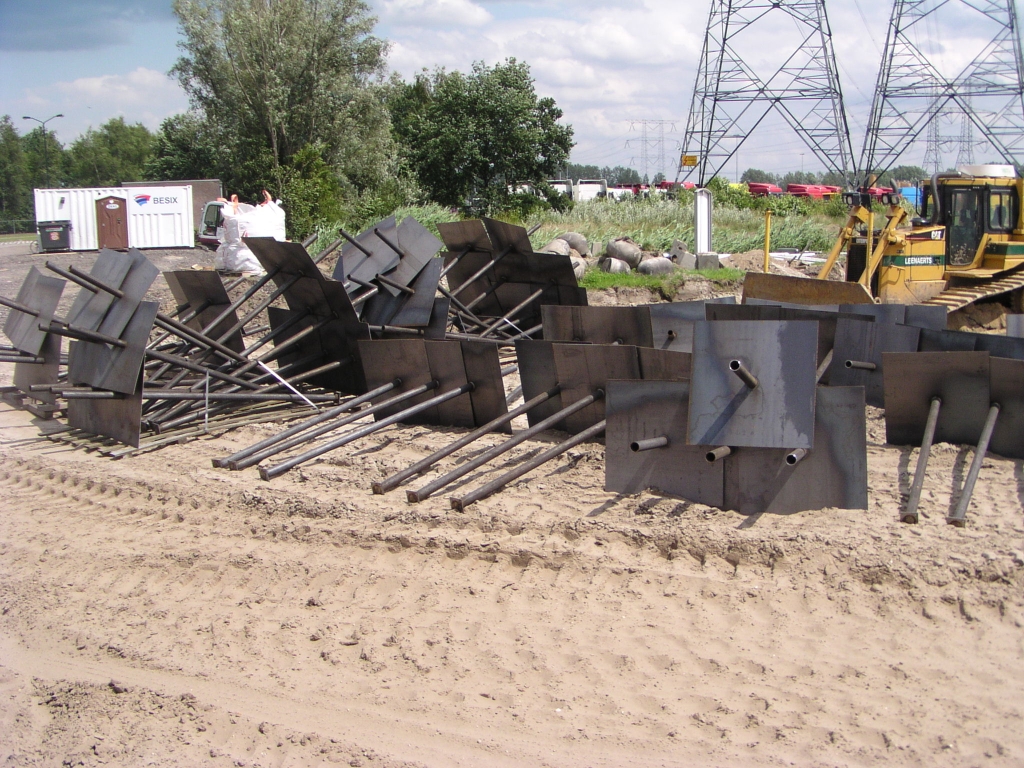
x,y
966,245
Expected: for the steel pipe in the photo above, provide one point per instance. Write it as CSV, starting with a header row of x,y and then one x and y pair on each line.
x,y
860,365
718,453
959,516
911,515
268,473
649,444
794,458
460,503
737,367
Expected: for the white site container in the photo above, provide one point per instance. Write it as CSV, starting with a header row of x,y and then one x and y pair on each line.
x,y
158,217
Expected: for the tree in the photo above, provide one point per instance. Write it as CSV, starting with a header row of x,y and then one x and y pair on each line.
x,y
756,176
186,147
15,192
479,135
44,159
104,158
281,75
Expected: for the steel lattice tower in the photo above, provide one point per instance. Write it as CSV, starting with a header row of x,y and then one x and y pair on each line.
x,y
911,92
730,100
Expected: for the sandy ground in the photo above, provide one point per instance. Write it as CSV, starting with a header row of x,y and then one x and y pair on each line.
x,y
157,611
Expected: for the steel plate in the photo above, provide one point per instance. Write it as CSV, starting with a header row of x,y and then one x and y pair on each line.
x,y
384,360
419,247
664,364
865,342
460,235
354,263
598,325
582,369
28,374
639,410
538,375
119,419
911,380
503,234
40,292
1007,384
779,412
484,370
89,308
447,367
833,474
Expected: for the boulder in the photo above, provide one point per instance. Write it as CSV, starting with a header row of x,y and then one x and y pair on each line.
x,y
625,250
613,265
659,265
559,246
577,241
579,266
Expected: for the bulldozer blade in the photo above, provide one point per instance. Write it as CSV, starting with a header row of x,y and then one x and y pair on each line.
x,y
803,290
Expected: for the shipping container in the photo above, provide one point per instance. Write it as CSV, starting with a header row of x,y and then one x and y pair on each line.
x,y
203,192
150,217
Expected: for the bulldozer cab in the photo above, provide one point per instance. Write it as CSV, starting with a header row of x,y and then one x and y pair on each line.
x,y
969,210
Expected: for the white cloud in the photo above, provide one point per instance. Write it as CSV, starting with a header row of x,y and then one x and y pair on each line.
x,y
142,95
446,13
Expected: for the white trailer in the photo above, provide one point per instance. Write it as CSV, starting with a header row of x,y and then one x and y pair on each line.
x,y
590,189
120,217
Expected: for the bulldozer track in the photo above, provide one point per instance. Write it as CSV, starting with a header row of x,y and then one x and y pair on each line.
x,y
958,298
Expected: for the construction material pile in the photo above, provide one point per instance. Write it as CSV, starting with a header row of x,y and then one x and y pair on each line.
x,y
756,407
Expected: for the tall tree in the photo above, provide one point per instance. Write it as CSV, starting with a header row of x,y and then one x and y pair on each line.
x,y
285,74
15,192
479,134
44,158
116,152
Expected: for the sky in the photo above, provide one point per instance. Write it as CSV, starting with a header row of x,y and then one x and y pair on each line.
x,y
609,64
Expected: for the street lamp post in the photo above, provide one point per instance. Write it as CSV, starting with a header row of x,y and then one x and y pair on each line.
x,y
46,154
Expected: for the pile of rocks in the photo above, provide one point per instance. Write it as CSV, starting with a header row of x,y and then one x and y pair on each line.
x,y
623,255
575,246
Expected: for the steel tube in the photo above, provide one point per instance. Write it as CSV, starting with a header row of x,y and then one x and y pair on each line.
x,y
19,307
512,312
959,516
737,367
424,493
794,458
83,335
649,444
318,419
323,429
190,366
459,503
268,473
860,365
424,464
911,515
718,453
16,359
256,397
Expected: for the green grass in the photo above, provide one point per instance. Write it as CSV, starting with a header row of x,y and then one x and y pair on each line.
x,y
666,285
26,236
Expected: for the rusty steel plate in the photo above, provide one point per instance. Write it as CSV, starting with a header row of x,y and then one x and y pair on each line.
x,y
447,367
858,342
503,235
89,307
641,410
119,419
39,292
484,369
911,380
1007,389
598,325
382,259
583,369
28,374
833,474
466,267
141,274
664,364
779,411
946,341
538,375
460,235
551,269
